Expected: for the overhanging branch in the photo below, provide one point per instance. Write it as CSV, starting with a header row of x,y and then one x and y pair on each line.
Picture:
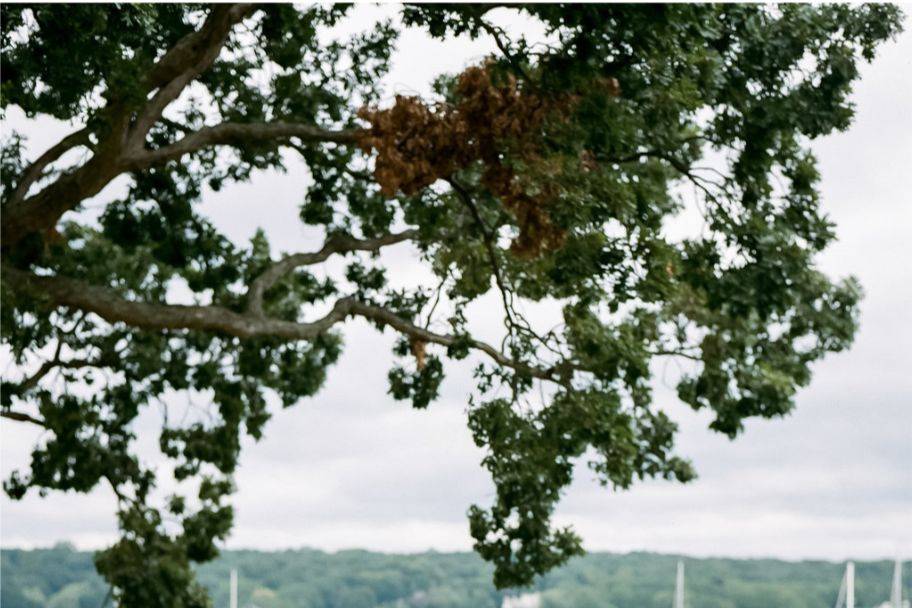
x,y
186,51
383,316
337,243
36,169
190,56
183,63
114,308
229,133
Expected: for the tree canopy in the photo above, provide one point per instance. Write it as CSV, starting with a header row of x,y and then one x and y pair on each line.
x,y
548,172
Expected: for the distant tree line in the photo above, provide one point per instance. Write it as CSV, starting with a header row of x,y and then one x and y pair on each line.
x,y
64,578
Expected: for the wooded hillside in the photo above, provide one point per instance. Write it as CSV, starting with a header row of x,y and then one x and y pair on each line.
x,y
61,577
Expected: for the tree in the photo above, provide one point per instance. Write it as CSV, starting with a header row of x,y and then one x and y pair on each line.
x,y
545,173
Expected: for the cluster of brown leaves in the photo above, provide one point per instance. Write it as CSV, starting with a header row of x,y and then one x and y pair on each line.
x,y
418,144
419,350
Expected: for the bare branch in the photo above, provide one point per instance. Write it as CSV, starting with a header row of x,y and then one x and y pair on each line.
x,y
21,417
36,169
513,320
337,243
684,169
439,291
676,353
386,317
488,239
54,363
498,35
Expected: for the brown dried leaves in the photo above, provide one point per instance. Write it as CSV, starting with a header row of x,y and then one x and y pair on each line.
x,y
417,144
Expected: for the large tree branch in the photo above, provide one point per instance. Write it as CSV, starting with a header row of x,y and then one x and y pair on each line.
x,y
36,169
114,308
183,63
41,211
229,133
187,50
337,243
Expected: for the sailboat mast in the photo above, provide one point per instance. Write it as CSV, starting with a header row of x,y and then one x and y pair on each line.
x,y
896,593
234,589
679,586
850,585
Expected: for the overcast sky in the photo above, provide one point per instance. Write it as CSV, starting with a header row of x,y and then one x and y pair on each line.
x,y
353,468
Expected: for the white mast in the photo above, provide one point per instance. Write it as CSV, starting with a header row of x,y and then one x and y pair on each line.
x,y
850,585
896,594
846,598
679,586
234,595
840,599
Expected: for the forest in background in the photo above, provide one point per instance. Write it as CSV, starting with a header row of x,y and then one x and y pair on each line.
x,y
63,577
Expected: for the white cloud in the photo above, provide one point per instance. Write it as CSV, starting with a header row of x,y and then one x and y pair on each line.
x,y
352,468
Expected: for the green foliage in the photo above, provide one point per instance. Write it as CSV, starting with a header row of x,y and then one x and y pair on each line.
x,y
646,93
359,579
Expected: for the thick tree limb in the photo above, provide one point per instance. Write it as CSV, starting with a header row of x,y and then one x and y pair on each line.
x,y
337,243
183,63
114,308
191,55
41,211
186,51
237,133
36,169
